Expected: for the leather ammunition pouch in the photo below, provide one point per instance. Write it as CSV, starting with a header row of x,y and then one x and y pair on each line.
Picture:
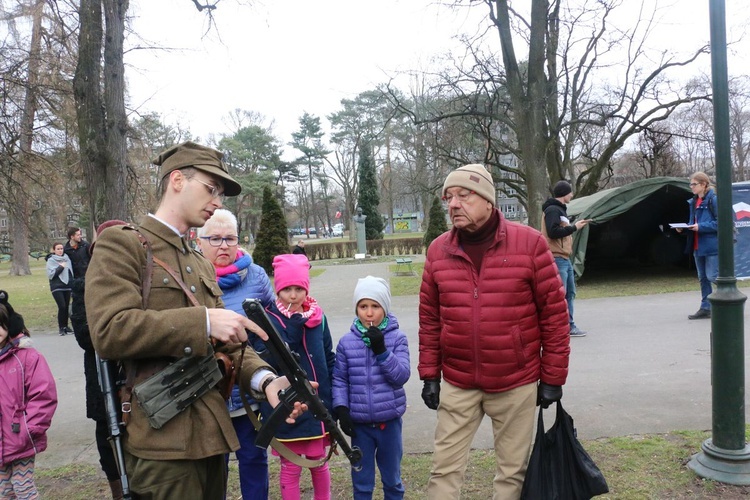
x,y
170,391
228,373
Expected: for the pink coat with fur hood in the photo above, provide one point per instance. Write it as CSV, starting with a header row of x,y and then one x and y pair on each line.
x,y
28,399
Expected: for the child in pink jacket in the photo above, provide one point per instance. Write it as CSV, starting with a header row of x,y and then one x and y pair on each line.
x,y
28,399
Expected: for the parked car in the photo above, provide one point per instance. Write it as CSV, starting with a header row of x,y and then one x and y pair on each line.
x,y
338,230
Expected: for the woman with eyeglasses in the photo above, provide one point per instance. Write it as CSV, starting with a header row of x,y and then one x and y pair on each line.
x,y
239,278
703,238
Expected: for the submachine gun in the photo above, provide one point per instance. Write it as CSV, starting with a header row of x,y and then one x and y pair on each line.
x,y
299,389
109,391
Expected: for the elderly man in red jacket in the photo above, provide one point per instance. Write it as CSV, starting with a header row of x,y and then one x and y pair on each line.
x,y
493,323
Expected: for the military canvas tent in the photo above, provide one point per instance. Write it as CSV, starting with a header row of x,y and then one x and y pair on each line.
x,y
631,224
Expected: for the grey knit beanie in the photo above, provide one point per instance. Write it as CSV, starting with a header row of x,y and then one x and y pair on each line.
x,y
373,288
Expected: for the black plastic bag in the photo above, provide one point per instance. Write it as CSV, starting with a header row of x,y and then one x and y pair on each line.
x,y
559,468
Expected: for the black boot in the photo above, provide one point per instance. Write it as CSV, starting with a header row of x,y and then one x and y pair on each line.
x,y
701,314
62,332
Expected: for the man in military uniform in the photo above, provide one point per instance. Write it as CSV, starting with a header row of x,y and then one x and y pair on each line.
x,y
185,457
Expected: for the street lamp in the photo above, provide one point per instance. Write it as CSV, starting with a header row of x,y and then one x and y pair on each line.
x,y
725,457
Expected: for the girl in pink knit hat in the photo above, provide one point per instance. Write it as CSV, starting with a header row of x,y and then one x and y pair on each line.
x,y
301,323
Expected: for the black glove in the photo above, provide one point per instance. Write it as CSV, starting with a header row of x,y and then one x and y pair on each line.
x,y
345,420
431,394
548,394
377,340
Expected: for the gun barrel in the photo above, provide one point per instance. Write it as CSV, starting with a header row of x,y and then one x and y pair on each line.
x,y
106,383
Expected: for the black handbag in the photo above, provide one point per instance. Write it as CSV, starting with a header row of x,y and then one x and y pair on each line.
x,y
559,468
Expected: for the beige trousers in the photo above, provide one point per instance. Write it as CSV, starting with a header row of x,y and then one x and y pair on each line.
x,y
458,418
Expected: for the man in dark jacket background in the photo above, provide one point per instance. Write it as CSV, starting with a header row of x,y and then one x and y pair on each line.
x,y
77,249
558,230
494,325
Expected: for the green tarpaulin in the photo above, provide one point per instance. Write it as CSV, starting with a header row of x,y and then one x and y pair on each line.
x,y
631,222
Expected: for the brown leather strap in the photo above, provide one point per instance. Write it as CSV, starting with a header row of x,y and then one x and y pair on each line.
x,y
148,271
226,365
179,281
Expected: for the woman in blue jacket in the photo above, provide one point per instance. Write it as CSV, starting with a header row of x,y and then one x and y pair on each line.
x,y
372,366
239,278
703,239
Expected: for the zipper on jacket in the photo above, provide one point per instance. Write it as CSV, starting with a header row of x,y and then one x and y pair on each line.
x,y
475,315
368,367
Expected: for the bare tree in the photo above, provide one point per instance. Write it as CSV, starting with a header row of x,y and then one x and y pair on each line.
x,y
739,126
19,209
539,105
102,122
657,156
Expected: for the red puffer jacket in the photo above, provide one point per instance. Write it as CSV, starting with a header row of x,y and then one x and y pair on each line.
x,y
499,329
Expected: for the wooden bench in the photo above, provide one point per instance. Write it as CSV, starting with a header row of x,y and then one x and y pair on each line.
x,y
403,268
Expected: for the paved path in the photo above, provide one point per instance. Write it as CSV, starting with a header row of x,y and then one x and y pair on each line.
x,y
643,368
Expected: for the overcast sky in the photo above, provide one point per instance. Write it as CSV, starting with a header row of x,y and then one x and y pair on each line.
x,y
284,57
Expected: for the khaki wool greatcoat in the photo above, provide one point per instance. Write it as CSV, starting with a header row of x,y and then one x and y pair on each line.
x,y
122,330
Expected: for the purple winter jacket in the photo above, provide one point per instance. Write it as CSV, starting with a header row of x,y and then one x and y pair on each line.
x,y
28,399
372,387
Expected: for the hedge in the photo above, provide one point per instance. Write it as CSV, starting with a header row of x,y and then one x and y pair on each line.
x,y
347,249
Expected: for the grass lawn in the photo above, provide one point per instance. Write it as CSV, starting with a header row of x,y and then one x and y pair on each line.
x,y
31,296
636,468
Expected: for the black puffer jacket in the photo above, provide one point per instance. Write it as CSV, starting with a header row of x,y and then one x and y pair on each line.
x,y
79,256
95,409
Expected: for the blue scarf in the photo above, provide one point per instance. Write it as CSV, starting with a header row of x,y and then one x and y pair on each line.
x,y
229,281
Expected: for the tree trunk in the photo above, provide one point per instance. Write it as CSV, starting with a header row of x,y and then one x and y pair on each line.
x,y
388,180
115,187
313,211
19,211
528,105
89,106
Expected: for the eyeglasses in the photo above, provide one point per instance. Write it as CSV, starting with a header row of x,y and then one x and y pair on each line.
x,y
213,190
693,184
216,241
461,197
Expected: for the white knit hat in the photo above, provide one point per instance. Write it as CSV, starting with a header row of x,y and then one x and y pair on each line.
x,y
373,288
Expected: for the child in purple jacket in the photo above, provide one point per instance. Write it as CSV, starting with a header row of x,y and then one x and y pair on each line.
x,y
28,399
372,366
